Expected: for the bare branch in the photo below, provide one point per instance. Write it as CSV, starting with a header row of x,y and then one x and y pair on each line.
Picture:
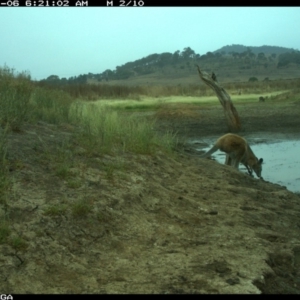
x,y
233,120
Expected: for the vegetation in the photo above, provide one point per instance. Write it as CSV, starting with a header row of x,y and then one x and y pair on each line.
x,y
100,130
91,92
183,61
17,243
4,231
107,131
56,210
106,121
81,208
265,49
253,79
288,58
15,94
5,183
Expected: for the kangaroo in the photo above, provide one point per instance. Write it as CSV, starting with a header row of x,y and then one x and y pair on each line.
x,y
237,151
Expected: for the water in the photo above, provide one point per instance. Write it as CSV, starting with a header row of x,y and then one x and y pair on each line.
x,y
281,161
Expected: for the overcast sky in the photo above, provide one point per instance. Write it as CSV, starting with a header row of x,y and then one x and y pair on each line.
x,y
72,41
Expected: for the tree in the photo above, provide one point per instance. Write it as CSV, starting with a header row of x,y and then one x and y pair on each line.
x,y
233,119
251,55
210,54
165,58
261,56
188,53
176,56
252,79
53,78
235,55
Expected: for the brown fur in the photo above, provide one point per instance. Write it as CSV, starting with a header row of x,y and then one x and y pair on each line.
x,y
237,151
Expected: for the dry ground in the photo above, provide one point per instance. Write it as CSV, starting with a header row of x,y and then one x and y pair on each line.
x,y
148,224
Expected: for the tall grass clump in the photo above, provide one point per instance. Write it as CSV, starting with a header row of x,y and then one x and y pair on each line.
x,y
51,105
108,131
15,93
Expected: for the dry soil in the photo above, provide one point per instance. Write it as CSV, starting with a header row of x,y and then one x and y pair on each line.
x,y
149,224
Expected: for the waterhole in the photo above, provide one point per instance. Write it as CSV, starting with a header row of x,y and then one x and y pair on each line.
x,y
281,160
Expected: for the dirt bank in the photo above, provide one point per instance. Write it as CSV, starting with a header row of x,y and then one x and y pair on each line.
x,y
154,224
255,117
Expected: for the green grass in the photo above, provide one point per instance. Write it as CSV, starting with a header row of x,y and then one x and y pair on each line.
x,y
107,131
63,171
17,243
150,104
59,155
50,105
4,231
5,182
55,210
74,183
81,208
15,93
113,167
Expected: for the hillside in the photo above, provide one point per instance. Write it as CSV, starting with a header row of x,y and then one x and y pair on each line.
x,y
230,63
264,49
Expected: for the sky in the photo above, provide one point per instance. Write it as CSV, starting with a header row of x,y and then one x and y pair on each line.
x,y
70,41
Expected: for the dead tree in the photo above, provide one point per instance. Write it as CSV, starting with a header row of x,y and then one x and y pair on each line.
x,y
232,117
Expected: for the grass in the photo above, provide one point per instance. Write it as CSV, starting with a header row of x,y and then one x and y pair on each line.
x,y
105,127
4,231
81,208
63,171
108,131
56,210
50,105
74,183
17,243
112,167
5,182
150,104
155,86
15,92
60,156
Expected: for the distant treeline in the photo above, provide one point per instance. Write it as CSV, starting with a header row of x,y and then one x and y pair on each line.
x,y
180,60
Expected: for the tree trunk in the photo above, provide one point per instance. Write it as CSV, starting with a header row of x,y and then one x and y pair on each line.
x,y
232,117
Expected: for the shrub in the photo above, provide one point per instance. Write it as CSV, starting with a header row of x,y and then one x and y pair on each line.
x,y
252,79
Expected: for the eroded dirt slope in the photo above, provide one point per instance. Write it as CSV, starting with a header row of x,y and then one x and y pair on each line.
x,y
147,224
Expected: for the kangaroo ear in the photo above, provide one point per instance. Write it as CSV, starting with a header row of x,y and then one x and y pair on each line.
x,y
260,160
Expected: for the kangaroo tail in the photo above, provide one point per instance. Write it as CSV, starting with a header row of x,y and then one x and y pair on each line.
x,y
211,151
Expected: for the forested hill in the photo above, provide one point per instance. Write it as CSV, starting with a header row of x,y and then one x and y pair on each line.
x,y
264,49
180,63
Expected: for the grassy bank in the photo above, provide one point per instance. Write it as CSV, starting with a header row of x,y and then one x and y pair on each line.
x,y
102,129
96,91
149,103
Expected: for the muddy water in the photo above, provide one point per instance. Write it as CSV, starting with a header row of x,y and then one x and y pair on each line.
x,y
281,159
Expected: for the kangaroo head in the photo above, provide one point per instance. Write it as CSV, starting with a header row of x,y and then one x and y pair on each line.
x,y
257,167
